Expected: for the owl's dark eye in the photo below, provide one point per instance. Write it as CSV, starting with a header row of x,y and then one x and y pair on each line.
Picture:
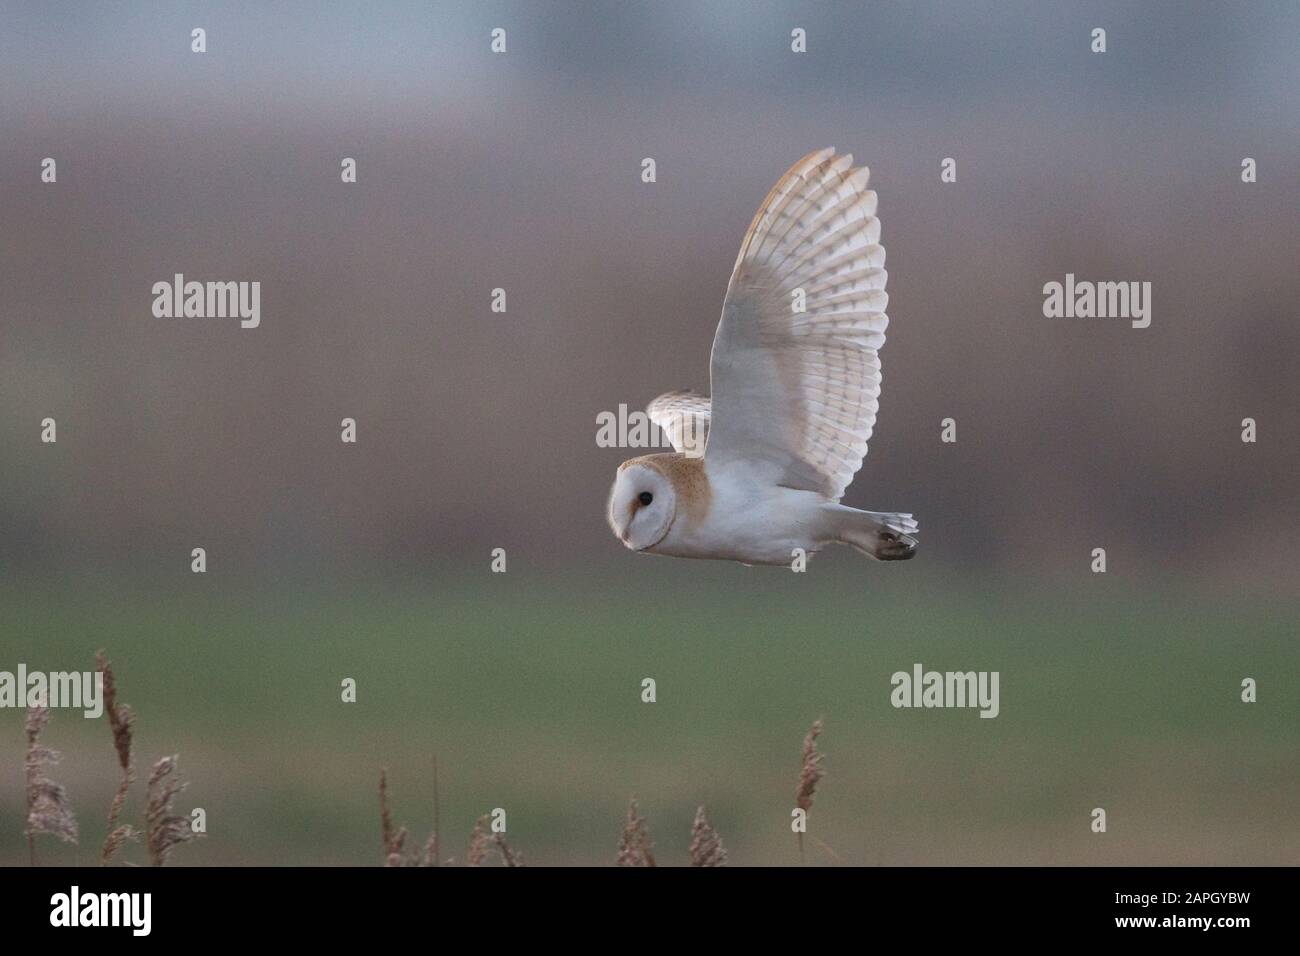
x,y
645,497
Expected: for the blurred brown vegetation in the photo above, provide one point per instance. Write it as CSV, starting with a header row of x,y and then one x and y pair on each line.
x,y
477,429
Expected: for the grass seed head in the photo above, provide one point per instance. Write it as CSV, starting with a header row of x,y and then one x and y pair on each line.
x,y
48,808
165,828
706,844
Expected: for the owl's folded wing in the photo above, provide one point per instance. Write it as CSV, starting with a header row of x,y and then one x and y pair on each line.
x,y
795,372
684,418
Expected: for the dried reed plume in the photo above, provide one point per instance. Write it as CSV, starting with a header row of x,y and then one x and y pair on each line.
x,y
48,808
120,718
508,856
479,841
166,830
706,845
810,774
483,841
635,848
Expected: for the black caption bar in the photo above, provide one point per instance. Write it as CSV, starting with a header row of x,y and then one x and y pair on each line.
x,y
1171,905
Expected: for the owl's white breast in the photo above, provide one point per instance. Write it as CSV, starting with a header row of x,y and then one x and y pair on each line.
x,y
749,519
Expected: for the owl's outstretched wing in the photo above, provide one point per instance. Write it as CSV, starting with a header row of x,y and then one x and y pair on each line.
x,y
684,418
795,392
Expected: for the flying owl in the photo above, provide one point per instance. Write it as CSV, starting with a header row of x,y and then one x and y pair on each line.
x,y
759,469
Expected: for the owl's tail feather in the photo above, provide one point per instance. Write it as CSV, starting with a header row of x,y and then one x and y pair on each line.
x,y
883,535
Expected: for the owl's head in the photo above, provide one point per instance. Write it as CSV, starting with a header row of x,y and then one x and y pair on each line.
x,y
642,505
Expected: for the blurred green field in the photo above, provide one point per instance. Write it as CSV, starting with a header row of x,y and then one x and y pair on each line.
x,y
527,688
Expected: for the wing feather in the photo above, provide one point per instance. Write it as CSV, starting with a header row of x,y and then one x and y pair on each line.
x,y
684,418
795,394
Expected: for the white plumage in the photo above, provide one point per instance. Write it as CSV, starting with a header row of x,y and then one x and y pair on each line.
x,y
795,376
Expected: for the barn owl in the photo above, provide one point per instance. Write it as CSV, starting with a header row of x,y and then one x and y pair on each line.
x,y
758,470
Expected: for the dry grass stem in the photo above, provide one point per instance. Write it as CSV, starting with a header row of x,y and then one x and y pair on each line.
x,y
395,851
508,856
431,847
394,838
120,719
810,774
